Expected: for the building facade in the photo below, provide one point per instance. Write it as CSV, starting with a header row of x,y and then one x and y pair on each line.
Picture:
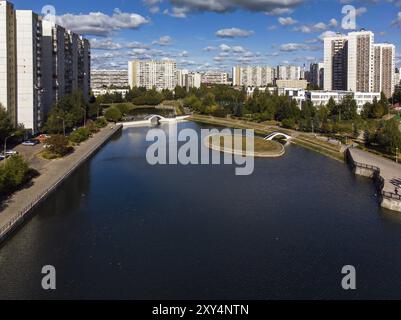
x,y
253,76
355,63
288,73
8,58
29,70
40,62
335,62
322,98
109,78
152,74
384,69
316,75
215,77
360,61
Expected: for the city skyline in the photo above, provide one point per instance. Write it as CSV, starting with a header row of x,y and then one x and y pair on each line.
x,y
247,32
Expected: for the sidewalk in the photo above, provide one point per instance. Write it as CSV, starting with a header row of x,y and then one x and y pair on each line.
x,y
52,173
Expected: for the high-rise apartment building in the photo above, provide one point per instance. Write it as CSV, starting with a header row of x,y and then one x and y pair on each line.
x,y
54,66
181,76
152,74
316,75
109,78
360,61
40,62
29,70
215,77
193,80
335,62
384,68
355,63
288,73
253,76
84,67
8,58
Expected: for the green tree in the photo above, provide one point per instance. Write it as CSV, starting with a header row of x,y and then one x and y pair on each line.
x,y
58,145
13,174
6,126
389,136
113,114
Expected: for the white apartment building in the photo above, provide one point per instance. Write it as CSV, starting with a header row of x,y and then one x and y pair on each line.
x,y
384,69
193,80
29,73
8,58
355,63
181,75
301,84
322,98
187,79
288,73
360,61
335,62
40,62
215,77
152,74
107,78
253,76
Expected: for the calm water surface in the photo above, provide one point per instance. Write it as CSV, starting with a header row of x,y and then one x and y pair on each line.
x,y
120,228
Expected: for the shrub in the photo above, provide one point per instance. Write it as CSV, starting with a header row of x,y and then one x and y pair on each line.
x,y
101,122
58,145
80,135
14,173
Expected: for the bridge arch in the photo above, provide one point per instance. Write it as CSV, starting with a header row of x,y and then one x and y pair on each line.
x,y
278,134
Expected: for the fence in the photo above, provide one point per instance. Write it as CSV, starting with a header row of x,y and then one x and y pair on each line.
x,y
384,194
20,217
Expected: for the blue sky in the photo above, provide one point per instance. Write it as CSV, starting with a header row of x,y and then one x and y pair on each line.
x,y
217,34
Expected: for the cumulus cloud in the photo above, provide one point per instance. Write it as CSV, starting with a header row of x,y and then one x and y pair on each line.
x,y
163,41
291,47
287,21
233,33
109,44
100,24
279,11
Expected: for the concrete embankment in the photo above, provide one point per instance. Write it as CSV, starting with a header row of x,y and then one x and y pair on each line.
x,y
385,172
17,209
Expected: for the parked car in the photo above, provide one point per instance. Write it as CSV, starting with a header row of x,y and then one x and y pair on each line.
x,y
30,143
10,153
1,157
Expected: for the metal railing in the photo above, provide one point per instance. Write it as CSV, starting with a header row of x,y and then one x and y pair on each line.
x,y
19,218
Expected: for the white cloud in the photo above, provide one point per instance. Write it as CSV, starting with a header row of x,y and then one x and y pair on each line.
x,y
110,44
163,41
397,21
234,32
279,11
291,47
287,21
100,24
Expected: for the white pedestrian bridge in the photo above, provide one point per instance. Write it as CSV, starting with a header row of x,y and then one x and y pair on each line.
x,y
153,119
278,134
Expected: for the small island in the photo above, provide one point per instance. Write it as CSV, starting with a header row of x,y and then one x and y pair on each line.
x,y
262,148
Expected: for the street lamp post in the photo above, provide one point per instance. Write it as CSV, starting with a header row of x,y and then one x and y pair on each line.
x,y
396,155
5,147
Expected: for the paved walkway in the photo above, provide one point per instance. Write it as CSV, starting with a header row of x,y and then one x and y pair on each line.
x,y
389,170
51,173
